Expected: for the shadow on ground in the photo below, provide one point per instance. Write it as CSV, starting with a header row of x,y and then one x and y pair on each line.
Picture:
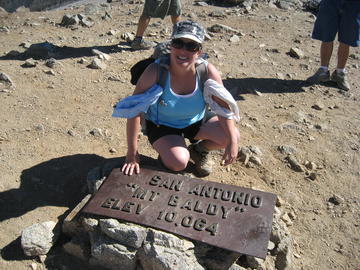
x,y
238,87
56,182
46,50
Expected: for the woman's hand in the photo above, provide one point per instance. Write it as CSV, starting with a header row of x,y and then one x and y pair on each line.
x,y
131,164
230,154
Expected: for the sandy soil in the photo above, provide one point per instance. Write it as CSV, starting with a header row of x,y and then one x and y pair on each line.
x,y
46,145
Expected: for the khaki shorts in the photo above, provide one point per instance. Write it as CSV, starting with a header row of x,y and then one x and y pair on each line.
x,y
161,8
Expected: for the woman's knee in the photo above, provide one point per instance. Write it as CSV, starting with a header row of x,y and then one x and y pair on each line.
x,y
178,161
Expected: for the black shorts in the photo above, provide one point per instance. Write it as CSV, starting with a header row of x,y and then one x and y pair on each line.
x,y
155,132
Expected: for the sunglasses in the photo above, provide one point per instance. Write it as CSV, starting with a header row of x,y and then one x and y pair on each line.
x,y
189,46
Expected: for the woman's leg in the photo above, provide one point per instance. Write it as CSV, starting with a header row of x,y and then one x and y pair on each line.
x,y
213,135
173,152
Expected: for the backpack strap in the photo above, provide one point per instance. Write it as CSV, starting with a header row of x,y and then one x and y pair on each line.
x,y
163,66
202,71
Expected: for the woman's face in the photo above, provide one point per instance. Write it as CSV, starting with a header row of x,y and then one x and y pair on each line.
x,y
184,51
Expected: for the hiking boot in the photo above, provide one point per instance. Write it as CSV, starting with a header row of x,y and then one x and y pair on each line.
x,y
341,80
320,76
137,44
203,164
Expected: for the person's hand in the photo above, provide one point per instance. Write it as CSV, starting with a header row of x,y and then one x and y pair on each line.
x,y
230,153
131,164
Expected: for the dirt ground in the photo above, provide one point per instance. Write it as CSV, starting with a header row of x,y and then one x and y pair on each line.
x,y
48,142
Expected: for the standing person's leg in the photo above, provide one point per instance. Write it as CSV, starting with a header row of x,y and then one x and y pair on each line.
x,y
323,73
175,11
326,50
325,28
339,75
343,55
142,25
139,43
349,35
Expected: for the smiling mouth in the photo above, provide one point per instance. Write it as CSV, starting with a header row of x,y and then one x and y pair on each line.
x,y
182,58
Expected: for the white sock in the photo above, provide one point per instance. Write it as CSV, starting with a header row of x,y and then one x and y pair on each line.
x,y
324,68
339,70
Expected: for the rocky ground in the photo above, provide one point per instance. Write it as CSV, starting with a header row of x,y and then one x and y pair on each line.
x,y
56,121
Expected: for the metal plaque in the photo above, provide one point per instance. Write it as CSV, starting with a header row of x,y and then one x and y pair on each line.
x,y
230,217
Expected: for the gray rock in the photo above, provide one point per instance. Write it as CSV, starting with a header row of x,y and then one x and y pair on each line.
x,y
39,238
52,62
250,154
220,28
168,240
30,63
255,150
97,64
279,231
296,53
217,14
50,72
236,267
336,199
71,133
163,251
126,234
68,20
318,106
214,258
97,132
94,179
42,50
111,254
312,176
292,126
271,245
101,55
284,254
255,160
287,149
294,164
112,33
310,165
201,3
90,224
247,4
128,37
234,39
4,29
86,22
313,4
95,8
6,78
107,16
79,247
255,263
284,5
